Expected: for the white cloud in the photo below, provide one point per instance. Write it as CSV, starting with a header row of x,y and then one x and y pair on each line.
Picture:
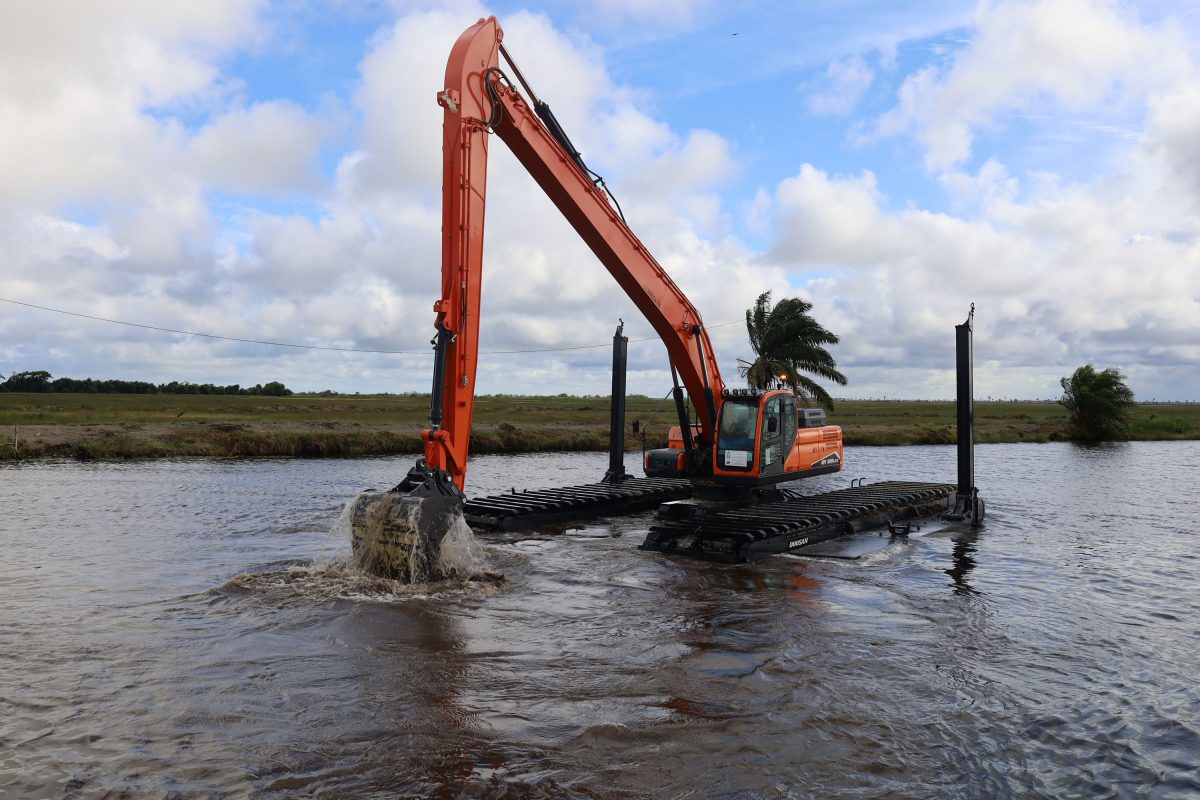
x,y
992,186
670,169
401,121
825,221
542,287
152,51
1102,270
269,148
1071,55
844,84
1171,141
76,81
364,271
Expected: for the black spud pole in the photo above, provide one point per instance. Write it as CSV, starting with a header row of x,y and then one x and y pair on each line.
x,y
966,405
967,505
616,436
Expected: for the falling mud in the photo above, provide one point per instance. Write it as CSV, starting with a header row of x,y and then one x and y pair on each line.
x,y
371,521
316,582
394,536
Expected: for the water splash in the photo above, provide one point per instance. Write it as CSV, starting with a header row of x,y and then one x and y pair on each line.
x,y
384,563
462,556
385,537
298,585
336,547
389,539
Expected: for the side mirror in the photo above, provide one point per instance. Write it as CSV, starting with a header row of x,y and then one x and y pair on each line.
x,y
772,424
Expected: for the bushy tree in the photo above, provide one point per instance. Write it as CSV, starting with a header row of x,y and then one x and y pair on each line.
x,y
1099,403
34,381
40,381
787,343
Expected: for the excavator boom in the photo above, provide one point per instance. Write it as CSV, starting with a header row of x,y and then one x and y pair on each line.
x,y
478,97
399,531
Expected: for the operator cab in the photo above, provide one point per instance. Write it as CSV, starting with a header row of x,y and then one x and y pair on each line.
x,y
755,436
762,439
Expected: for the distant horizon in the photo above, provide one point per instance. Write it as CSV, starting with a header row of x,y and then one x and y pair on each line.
x,y
419,393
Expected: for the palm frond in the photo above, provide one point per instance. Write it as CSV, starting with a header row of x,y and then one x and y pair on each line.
x,y
787,341
812,390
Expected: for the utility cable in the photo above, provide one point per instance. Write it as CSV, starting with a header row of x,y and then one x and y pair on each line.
x,y
324,347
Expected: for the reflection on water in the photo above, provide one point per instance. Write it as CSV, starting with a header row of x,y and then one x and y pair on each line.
x,y
193,629
964,549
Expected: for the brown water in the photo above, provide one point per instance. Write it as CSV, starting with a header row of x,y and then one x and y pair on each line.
x,y
189,629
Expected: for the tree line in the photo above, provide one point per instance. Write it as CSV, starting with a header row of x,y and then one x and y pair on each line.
x,y
42,381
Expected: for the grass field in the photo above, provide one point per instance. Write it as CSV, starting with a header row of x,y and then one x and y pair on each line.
x,y
144,426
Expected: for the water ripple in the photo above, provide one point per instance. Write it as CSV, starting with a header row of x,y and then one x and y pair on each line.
x,y
193,629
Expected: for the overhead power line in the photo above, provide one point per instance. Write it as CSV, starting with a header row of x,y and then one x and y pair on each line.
x,y
320,347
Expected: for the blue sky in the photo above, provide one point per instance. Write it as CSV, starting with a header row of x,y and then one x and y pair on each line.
x,y
269,171
751,88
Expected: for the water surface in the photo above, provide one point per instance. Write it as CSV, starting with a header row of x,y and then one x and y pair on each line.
x,y
1052,654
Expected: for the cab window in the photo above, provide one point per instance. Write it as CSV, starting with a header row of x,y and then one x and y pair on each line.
x,y
771,428
773,413
735,436
789,420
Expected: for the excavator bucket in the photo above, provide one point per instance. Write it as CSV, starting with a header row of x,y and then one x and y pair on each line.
x,y
398,533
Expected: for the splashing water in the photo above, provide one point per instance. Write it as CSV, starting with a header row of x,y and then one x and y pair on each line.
x,y
385,537
385,564
315,583
338,537
461,555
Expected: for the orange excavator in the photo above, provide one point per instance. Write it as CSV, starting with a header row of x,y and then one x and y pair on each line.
x,y
740,439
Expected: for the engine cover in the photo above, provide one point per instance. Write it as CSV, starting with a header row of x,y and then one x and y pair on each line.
x,y
666,462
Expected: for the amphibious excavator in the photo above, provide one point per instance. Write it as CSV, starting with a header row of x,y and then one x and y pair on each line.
x,y
739,441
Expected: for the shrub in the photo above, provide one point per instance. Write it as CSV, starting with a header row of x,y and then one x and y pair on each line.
x,y
1099,404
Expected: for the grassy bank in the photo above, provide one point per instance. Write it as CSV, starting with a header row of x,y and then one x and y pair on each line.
x,y
154,426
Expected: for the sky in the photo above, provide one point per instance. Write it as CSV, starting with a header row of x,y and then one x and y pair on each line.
x,y
270,171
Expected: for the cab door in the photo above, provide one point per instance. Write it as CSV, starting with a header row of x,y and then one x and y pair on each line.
x,y
788,426
772,449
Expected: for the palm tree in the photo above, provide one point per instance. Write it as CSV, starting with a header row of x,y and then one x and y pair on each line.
x,y
1098,403
788,342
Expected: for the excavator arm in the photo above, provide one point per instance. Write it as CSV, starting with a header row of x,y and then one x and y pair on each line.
x,y
398,532
479,98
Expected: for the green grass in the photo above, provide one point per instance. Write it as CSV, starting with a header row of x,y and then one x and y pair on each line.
x,y
147,409
1165,422
885,422
904,422
156,426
